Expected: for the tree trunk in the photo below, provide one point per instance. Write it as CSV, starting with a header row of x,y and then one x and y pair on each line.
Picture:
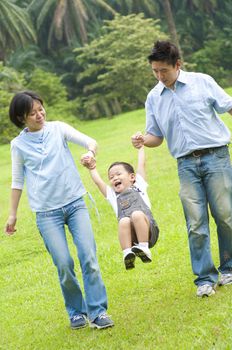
x,y
171,23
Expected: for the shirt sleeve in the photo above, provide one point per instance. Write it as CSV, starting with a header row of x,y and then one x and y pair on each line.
x,y
112,199
72,135
151,124
142,185
220,100
17,168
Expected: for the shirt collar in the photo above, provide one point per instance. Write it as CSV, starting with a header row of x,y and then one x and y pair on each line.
x,y
182,78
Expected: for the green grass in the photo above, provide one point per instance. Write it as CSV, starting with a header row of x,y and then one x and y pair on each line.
x,y
154,306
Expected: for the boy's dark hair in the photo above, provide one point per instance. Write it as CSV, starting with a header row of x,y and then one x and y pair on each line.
x,y
129,168
164,51
21,106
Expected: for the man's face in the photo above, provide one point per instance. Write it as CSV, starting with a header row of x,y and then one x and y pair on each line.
x,y
165,72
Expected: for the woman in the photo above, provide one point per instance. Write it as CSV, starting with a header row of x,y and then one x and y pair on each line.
x,y
40,154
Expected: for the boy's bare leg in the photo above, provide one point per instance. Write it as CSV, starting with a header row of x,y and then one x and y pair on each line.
x,y
124,233
141,226
125,239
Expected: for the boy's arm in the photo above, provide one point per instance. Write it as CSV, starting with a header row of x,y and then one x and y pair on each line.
x,y
141,162
98,181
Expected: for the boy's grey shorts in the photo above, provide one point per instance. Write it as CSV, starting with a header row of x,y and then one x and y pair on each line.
x,y
153,233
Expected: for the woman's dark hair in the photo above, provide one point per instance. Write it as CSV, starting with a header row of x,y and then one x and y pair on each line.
x,y
129,168
21,106
164,51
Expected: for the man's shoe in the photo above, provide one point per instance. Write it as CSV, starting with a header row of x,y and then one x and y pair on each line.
x,y
143,253
225,279
102,321
78,321
205,290
129,260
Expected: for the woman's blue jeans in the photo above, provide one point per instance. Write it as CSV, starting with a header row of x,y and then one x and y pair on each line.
x,y
206,181
51,225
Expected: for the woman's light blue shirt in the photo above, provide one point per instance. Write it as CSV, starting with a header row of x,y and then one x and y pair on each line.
x,y
44,160
186,116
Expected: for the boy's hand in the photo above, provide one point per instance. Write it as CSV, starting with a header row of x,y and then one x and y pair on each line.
x,y
137,140
88,161
10,225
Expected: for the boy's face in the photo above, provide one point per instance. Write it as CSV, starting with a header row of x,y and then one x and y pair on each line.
x,y
120,179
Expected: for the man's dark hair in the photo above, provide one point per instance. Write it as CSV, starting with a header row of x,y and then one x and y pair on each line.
x,y
164,51
21,106
129,168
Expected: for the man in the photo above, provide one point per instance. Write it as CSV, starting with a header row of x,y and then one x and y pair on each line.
x,y
182,109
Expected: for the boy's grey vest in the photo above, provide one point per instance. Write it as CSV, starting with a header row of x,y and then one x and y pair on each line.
x,y
129,201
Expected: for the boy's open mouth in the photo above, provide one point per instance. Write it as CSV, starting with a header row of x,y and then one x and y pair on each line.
x,y
117,184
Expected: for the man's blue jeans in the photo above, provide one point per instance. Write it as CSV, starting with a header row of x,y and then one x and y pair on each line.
x,y
51,225
206,181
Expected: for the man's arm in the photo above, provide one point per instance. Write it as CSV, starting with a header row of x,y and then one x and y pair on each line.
x,y
148,140
152,140
11,222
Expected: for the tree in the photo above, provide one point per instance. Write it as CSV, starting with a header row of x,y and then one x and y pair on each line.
x,y
115,73
65,21
126,7
171,23
10,81
16,28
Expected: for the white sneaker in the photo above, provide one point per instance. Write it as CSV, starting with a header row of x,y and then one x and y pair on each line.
x,y
205,290
143,253
225,279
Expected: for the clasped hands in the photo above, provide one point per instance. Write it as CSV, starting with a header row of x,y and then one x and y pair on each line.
x,y
88,160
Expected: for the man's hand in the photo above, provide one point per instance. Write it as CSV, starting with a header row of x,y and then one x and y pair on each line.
x,y
10,225
137,140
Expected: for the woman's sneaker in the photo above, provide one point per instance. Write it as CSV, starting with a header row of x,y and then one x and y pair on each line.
x,y
78,321
143,253
205,290
225,279
102,321
129,260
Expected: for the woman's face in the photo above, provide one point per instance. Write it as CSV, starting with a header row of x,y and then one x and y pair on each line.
x,y
36,118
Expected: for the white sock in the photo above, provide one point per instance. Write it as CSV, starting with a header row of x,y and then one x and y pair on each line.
x,y
143,244
126,251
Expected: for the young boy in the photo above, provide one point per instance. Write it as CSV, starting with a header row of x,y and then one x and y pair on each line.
x,y
137,228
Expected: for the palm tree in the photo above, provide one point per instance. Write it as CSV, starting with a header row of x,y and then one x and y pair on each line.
x,y
16,28
66,21
170,21
126,7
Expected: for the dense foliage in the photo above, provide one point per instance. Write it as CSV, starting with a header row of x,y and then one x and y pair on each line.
x,y
87,61
113,70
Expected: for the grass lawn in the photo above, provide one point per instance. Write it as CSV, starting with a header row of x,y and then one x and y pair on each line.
x,y
153,306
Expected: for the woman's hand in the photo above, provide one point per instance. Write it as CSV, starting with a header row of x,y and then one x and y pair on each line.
x,y
10,225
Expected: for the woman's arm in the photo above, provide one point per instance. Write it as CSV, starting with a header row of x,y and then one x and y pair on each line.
x,y
75,136
11,222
